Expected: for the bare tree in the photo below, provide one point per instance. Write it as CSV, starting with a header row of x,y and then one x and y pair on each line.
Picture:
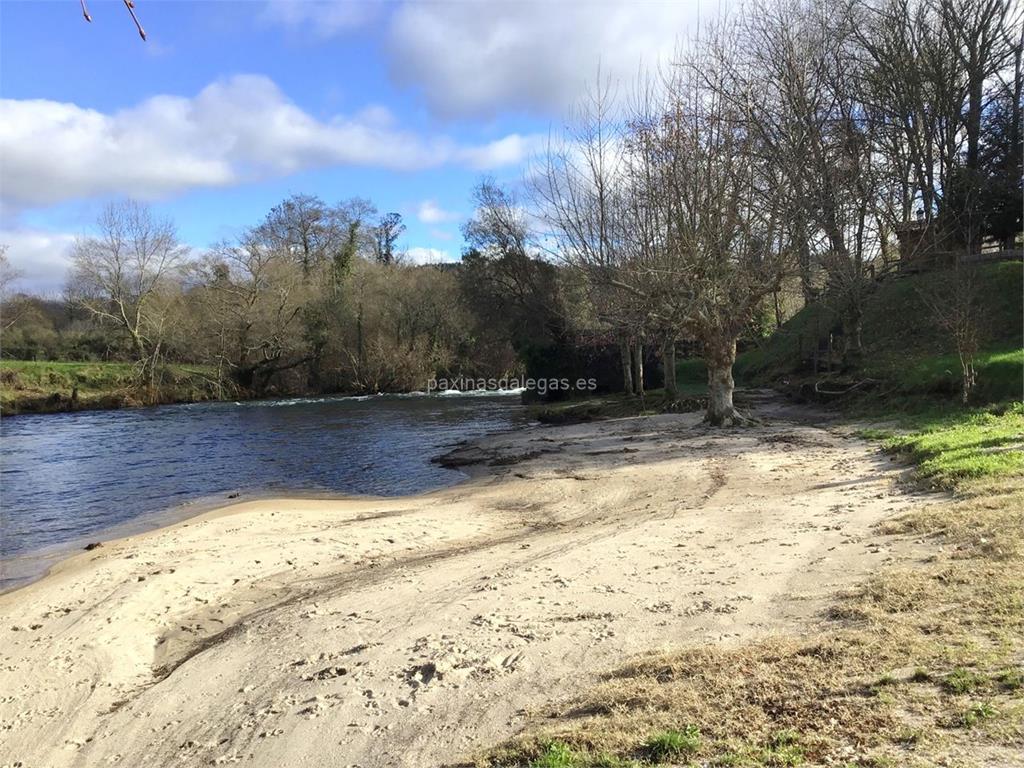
x,y
587,195
723,204
674,216
954,299
932,69
311,232
10,309
125,276
255,294
505,265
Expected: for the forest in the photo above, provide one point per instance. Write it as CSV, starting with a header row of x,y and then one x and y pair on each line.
x,y
796,153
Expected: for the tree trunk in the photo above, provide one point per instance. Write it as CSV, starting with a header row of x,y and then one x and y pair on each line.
x,y
627,367
804,259
638,367
360,350
719,355
968,378
668,358
853,341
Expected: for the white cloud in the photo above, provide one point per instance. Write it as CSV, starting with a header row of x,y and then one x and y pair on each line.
x,y
237,129
429,212
326,17
40,258
420,255
483,58
509,150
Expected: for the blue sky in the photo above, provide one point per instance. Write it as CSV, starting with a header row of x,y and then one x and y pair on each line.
x,y
229,107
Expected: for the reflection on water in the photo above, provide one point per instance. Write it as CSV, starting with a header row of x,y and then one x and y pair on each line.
x,y
66,476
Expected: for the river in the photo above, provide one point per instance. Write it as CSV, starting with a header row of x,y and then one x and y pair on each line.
x,y
68,478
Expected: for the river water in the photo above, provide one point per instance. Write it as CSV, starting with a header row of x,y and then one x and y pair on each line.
x,y
66,478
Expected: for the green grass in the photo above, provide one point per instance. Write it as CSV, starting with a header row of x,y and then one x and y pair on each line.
x,y
1011,679
668,745
961,681
902,346
40,386
92,376
692,378
976,713
557,755
1000,374
952,447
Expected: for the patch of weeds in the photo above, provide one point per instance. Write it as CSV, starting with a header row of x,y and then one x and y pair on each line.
x,y
783,749
961,681
921,675
1011,679
668,744
557,755
884,681
605,760
908,737
976,713
884,697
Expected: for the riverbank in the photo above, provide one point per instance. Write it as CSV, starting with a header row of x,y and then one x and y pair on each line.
x,y
419,630
28,386
58,488
34,387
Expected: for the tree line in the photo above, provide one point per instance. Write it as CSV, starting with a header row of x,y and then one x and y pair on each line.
x,y
789,152
795,142
314,298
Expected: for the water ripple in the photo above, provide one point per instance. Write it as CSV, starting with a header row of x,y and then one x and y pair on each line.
x,y
65,476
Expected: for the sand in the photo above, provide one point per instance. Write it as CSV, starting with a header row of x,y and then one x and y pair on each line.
x,y
416,631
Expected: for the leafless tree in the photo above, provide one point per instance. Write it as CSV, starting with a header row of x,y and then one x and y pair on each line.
x,y
723,203
798,71
125,276
587,195
10,309
314,233
675,213
255,293
386,234
954,299
932,69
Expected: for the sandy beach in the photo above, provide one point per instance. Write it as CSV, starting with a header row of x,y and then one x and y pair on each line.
x,y
417,631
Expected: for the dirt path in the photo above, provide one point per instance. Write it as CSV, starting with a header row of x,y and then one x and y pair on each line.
x,y
415,631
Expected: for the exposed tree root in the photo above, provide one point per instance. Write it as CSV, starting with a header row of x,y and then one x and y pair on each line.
x,y
729,418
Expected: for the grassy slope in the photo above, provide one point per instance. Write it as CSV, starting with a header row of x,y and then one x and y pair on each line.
x,y
920,666
903,348
32,386
951,447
